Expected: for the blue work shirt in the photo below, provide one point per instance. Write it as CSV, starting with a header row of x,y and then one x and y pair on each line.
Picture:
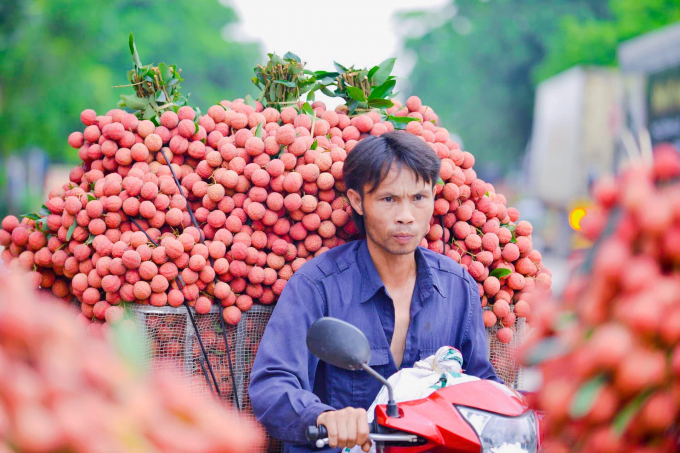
x,y
290,387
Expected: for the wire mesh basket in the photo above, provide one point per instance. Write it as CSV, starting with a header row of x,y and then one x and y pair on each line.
x,y
502,355
172,339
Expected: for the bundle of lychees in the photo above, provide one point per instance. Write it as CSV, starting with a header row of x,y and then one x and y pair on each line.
x,y
253,191
61,390
609,350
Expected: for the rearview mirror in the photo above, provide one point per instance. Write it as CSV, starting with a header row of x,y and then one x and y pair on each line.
x,y
339,343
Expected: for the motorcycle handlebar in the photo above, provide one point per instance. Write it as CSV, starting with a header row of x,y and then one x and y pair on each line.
x,y
319,436
315,433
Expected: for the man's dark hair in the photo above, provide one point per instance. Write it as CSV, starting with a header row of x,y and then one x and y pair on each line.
x,y
368,164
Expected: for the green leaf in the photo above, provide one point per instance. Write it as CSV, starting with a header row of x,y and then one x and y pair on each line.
x,y
148,114
196,124
380,103
291,56
440,181
166,72
134,102
586,396
91,197
401,119
308,109
160,96
127,340
286,83
383,73
550,348
372,71
71,229
44,211
249,100
382,90
500,272
324,74
626,415
487,193
90,239
314,145
258,131
31,216
340,68
133,51
327,92
172,82
275,59
313,89
304,89
40,225
356,94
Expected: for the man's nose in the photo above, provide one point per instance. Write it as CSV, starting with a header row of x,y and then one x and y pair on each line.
x,y
404,215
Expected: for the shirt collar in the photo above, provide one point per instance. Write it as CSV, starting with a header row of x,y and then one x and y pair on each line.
x,y
370,279
371,283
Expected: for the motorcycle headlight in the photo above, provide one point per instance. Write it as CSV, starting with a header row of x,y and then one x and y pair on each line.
x,y
499,434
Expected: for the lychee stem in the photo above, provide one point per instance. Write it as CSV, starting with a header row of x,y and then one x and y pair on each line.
x,y
212,262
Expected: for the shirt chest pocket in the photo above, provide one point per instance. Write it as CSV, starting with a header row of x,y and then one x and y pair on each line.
x,y
358,388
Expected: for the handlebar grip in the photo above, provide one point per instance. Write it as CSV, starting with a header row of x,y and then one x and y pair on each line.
x,y
315,433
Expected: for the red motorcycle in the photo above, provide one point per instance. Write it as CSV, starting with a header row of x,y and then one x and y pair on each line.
x,y
479,416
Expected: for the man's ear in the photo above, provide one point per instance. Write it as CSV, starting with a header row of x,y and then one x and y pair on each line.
x,y
355,201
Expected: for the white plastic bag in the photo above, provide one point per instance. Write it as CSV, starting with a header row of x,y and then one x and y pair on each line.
x,y
427,376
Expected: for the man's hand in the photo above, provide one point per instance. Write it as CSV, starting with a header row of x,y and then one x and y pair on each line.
x,y
346,428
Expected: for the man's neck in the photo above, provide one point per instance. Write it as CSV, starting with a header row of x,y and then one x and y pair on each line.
x,y
394,270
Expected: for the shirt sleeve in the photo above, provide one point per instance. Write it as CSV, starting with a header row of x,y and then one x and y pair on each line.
x,y
475,347
283,372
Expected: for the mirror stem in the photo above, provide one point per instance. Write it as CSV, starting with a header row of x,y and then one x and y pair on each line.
x,y
392,410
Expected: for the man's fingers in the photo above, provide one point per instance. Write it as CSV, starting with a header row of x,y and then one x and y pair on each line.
x,y
341,423
362,428
331,426
346,428
352,428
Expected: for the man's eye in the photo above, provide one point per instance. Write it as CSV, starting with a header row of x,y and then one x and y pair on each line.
x,y
387,199
419,197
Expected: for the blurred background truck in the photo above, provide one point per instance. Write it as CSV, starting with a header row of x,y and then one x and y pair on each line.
x,y
583,124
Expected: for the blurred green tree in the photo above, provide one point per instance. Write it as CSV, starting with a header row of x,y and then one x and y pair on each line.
x,y
594,40
477,61
62,56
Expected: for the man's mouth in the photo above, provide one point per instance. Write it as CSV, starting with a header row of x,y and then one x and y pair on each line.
x,y
403,237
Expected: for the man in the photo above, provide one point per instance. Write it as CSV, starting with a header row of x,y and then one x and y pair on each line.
x,y
407,300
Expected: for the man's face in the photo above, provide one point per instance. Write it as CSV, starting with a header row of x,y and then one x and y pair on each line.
x,y
397,214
